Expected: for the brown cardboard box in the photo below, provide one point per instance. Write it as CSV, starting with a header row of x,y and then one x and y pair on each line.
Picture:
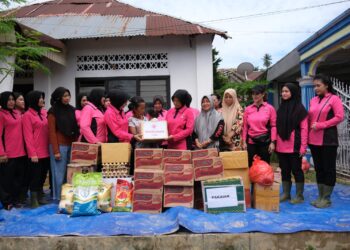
x,y
267,191
242,172
176,156
115,152
149,180
178,196
266,197
144,202
178,175
277,175
210,168
234,159
148,158
85,153
204,153
78,168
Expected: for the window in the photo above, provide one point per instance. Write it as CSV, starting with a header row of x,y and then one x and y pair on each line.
x,y
146,87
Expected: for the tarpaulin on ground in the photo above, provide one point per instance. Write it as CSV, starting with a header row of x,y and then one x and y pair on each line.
x,y
44,221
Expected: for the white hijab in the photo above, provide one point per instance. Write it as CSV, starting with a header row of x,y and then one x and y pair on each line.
x,y
230,112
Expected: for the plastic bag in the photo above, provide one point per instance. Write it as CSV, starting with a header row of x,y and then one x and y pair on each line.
x,y
66,202
104,198
261,172
123,197
85,194
305,165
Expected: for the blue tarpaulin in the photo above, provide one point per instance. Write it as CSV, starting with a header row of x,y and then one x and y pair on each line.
x,y
44,221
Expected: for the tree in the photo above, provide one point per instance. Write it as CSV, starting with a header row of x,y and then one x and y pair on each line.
x,y
219,79
25,47
267,60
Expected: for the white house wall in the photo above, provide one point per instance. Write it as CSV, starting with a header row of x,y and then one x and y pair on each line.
x,y
189,63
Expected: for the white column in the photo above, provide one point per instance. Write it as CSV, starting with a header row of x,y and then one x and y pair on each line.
x,y
6,83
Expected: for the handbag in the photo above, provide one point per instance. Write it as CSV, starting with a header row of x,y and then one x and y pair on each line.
x,y
261,140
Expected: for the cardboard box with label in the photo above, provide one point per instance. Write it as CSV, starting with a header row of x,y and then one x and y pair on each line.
x,y
178,196
78,168
266,197
144,202
82,152
154,130
176,156
148,158
223,195
149,180
205,153
178,175
210,168
115,152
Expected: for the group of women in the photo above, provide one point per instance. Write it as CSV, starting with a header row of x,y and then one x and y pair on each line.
x,y
45,138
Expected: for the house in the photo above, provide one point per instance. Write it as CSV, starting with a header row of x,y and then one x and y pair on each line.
x,y
234,76
110,44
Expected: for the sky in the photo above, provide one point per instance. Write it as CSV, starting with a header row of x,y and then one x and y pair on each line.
x,y
251,37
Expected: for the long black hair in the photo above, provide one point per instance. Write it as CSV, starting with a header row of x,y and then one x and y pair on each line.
x,y
326,80
79,97
4,98
96,96
32,100
290,113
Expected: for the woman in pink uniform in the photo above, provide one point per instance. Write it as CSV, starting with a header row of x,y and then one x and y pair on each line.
x,y
81,103
92,124
12,153
158,107
259,127
36,136
180,121
292,132
325,113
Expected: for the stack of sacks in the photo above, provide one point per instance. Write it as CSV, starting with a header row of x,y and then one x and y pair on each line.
x,y
236,164
84,158
207,165
149,180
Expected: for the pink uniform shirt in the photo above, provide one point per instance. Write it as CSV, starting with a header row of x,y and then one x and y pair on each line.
x,y
11,131
118,124
89,113
36,133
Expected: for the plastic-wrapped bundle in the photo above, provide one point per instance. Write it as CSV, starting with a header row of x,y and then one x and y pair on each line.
x,y
66,202
261,172
104,198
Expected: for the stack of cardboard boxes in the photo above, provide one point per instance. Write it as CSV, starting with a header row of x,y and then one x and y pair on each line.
x,y
149,181
236,164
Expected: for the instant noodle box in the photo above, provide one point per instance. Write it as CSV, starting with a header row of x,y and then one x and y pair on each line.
x,y
178,175
176,156
178,196
204,153
115,153
148,158
82,152
144,202
149,180
223,195
78,168
210,168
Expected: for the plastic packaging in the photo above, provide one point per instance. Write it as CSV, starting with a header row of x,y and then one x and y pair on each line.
x,y
261,172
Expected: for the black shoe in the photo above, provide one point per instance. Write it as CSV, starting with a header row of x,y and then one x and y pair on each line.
x,y
8,207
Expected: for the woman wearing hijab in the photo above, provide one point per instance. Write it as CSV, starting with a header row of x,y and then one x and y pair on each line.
x,y
209,125
158,107
292,132
116,120
259,129
82,100
36,136
233,118
63,130
12,151
180,121
325,113
92,123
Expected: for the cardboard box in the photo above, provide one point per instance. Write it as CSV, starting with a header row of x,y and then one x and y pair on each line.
x,y
148,158
204,153
266,197
205,169
176,156
178,196
235,159
78,168
144,202
178,175
149,180
115,152
224,195
82,152
277,175
242,172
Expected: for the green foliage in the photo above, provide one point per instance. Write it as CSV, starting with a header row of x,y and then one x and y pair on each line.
x,y
219,79
243,90
267,60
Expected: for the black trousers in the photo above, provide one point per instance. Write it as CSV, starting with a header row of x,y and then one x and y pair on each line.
x,y
262,151
38,173
325,163
291,163
12,178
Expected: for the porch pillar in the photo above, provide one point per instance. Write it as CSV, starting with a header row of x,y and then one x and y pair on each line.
x,y
306,85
